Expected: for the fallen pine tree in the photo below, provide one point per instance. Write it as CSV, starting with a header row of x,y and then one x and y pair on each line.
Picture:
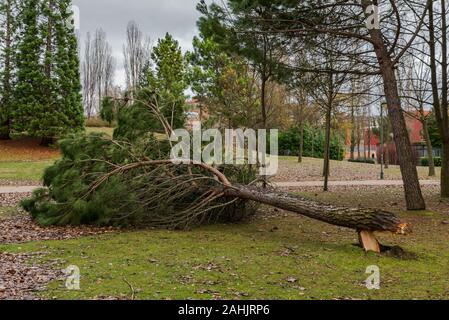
x,y
102,181
364,221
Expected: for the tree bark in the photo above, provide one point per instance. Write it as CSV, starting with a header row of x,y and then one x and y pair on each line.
x,y
369,137
440,106
263,100
353,140
444,102
47,141
301,142
413,194
301,120
387,155
5,127
429,148
353,218
326,170
264,77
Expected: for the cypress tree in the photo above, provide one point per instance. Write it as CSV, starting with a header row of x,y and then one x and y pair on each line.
x,y
51,105
8,13
67,66
30,76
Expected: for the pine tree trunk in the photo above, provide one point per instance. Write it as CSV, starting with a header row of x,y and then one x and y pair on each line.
x,y
413,194
301,142
47,141
445,171
265,77
429,148
357,219
263,102
441,108
352,152
326,170
369,139
444,103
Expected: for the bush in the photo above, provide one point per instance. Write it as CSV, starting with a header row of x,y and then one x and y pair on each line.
x,y
314,141
436,161
369,161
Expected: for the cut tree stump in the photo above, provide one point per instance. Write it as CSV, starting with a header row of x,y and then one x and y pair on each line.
x,y
368,241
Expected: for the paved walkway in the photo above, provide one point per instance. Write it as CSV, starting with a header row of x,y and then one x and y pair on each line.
x,y
302,184
14,189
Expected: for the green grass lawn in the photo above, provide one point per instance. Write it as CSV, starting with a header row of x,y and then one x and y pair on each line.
x,y
26,170
107,130
275,258
32,169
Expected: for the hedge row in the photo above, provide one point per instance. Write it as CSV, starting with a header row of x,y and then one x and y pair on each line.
x,y
436,161
313,144
370,161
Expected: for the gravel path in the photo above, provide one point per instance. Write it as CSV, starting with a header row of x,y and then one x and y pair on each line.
x,y
366,183
17,189
286,184
17,183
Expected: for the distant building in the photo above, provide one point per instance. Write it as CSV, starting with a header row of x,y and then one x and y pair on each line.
x,y
195,112
368,145
415,130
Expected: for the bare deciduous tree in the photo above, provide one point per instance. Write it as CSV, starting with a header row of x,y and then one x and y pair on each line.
x,y
136,54
417,92
98,70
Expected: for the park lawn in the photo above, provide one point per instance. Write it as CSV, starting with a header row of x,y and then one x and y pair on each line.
x,y
276,257
23,170
26,149
25,159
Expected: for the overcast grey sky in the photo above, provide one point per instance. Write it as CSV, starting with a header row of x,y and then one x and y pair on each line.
x,y
155,18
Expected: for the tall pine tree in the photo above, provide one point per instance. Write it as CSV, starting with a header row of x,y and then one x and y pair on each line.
x,y
69,69
164,85
30,76
49,87
8,15
169,78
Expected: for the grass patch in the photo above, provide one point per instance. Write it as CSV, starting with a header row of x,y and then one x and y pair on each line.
x,y
23,170
275,258
107,130
6,212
